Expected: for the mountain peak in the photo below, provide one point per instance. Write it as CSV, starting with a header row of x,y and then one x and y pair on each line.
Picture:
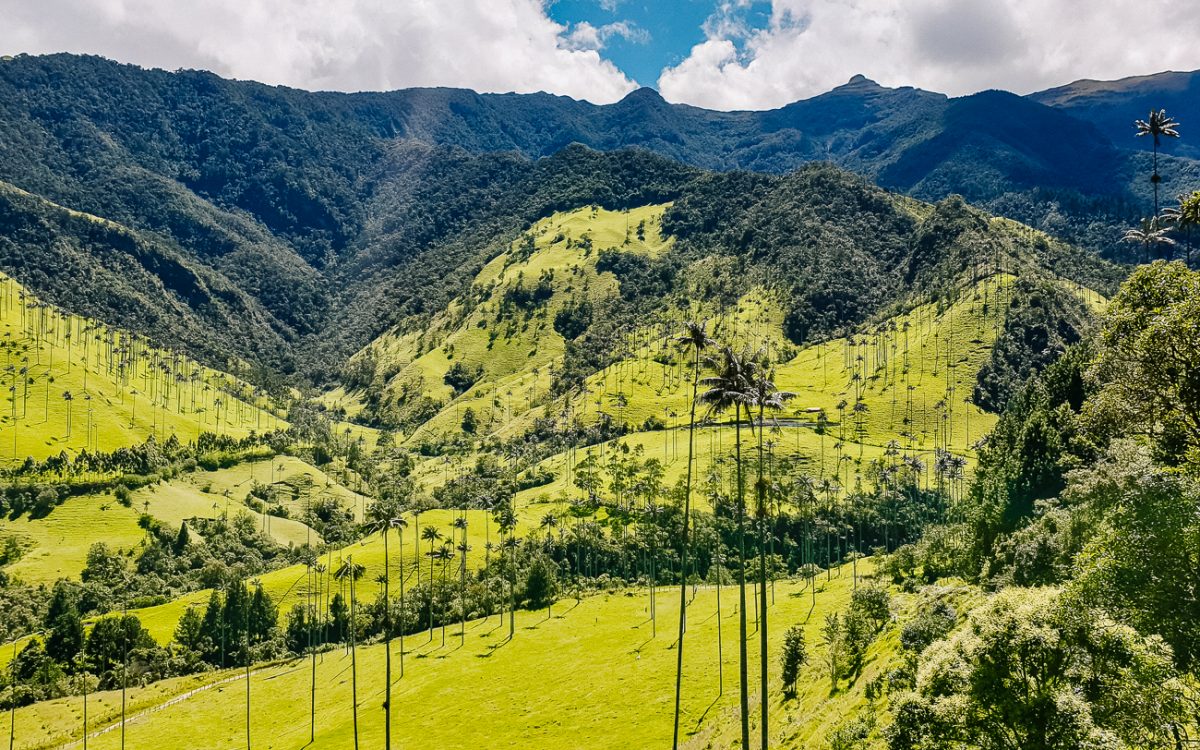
x,y
859,82
645,95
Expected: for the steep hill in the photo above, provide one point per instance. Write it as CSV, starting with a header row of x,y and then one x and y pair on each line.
x,y
306,222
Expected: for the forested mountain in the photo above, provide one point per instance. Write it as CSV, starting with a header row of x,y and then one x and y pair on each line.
x,y
1107,104
327,217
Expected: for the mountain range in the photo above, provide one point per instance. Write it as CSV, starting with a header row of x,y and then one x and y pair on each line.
x,y
287,229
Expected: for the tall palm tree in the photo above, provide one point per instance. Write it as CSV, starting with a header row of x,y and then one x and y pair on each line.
x,y
445,554
1157,125
694,339
432,535
386,516
1148,234
352,572
730,388
765,396
1185,217
460,523
510,545
70,401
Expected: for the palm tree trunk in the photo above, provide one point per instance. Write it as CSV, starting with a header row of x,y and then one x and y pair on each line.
x,y
743,665
387,641
353,652
762,580
683,556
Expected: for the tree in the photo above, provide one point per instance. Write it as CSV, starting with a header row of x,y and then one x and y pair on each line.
x,y
1034,669
1157,125
339,617
833,637
1185,217
873,603
70,402
386,515
470,422
730,387
795,655
1149,233
433,536
766,397
1140,563
1148,361
694,339
351,572
541,583
65,640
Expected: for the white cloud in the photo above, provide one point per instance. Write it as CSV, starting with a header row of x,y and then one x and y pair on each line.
x,y
348,45
585,36
953,46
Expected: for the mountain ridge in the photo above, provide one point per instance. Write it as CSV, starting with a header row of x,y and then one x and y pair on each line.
x,y
335,215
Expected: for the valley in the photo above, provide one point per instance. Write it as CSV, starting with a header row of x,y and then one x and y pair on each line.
x,y
371,427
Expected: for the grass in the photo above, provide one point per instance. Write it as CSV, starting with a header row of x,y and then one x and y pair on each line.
x,y
291,585
57,545
603,680
514,350
118,399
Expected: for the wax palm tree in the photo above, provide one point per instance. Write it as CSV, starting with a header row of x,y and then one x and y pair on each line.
x,y
1185,217
510,545
1157,125
765,396
70,402
350,571
730,388
549,523
1149,233
695,340
460,523
386,515
433,536
444,554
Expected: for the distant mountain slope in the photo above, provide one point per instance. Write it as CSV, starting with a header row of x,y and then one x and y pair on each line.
x,y
1112,106
314,221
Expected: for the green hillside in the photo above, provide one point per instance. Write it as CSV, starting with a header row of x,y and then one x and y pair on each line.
x,y
73,384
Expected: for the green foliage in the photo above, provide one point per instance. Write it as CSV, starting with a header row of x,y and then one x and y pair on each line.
x,y
794,656
1036,441
873,602
1139,562
1036,670
1148,361
1042,321
541,583
932,623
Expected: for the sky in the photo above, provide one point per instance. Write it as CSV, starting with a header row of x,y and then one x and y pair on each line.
x,y
720,54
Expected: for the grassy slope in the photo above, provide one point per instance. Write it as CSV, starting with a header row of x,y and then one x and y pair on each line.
x,y
515,351
617,693
58,544
119,411
909,364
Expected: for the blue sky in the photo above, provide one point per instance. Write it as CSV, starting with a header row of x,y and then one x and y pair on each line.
x,y
671,28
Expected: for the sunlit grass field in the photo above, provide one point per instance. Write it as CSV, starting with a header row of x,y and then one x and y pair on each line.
x,y
592,675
